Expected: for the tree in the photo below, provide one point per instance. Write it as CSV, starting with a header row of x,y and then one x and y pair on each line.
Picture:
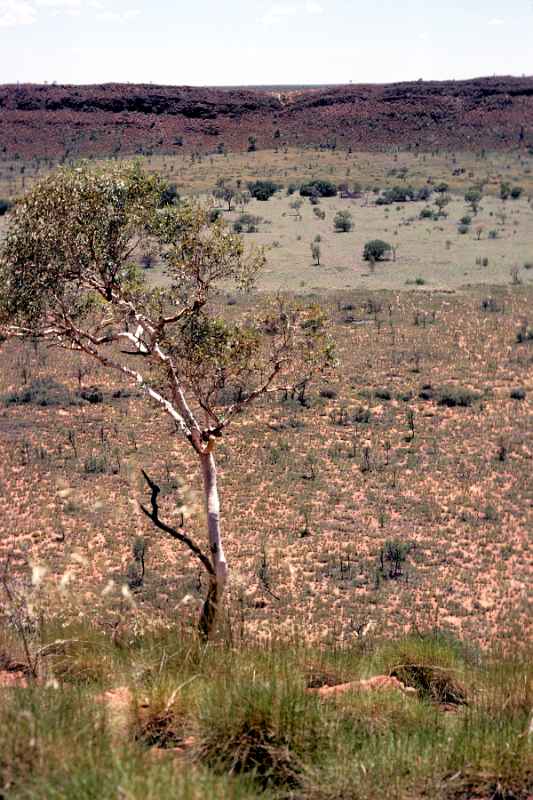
x,y
473,198
66,276
225,192
376,250
343,222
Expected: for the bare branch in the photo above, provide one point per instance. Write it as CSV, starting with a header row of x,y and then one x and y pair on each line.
x,y
153,515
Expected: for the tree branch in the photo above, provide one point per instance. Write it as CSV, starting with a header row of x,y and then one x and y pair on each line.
x,y
153,515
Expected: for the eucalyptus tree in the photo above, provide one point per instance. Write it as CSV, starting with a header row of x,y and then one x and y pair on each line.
x,y
68,275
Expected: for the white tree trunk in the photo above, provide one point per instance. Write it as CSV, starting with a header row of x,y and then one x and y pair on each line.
x,y
218,559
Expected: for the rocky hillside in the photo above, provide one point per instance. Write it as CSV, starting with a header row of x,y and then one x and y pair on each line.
x,y
123,118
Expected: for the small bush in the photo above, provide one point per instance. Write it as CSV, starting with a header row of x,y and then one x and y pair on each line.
x,y
343,222
262,190
518,394
92,394
5,206
524,334
320,188
376,250
462,229
452,396
41,392
169,196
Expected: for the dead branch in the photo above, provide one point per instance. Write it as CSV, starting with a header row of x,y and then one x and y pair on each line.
x,y
153,516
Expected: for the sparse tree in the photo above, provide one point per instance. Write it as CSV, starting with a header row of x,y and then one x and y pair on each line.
x,y
66,276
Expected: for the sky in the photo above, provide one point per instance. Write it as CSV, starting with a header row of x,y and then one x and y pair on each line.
x,y
257,42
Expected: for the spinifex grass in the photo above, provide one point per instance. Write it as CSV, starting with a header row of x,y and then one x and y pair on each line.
x,y
243,725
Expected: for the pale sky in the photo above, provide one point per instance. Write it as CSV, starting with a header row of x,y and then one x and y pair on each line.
x,y
234,42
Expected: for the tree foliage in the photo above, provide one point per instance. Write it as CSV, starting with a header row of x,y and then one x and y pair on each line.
x,y
68,275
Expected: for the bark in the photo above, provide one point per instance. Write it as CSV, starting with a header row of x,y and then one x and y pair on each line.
x,y
217,582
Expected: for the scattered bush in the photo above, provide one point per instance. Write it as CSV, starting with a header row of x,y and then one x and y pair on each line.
x,y
169,196
246,223
319,188
41,392
262,190
518,394
452,396
343,222
376,250
5,205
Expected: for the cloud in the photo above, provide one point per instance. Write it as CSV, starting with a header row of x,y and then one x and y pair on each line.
x,y
424,36
118,16
16,12
277,13
496,21
63,5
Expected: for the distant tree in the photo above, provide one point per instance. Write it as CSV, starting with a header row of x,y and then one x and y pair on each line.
x,y
473,198
66,276
226,193
376,250
343,222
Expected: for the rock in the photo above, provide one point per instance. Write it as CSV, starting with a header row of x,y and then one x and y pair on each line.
x,y
377,683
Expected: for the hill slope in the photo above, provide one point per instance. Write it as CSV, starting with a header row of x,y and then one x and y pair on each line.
x,y
40,120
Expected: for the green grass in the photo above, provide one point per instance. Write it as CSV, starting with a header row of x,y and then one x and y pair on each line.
x,y
254,731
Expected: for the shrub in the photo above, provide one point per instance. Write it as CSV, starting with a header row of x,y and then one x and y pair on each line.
x,y
319,213
427,213
343,221
246,223
452,396
376,250
466,220
518,394
41,392
524,334
169,195
462,229
320,188
262,190
516,192
493,234
398,194
473,198
5,205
